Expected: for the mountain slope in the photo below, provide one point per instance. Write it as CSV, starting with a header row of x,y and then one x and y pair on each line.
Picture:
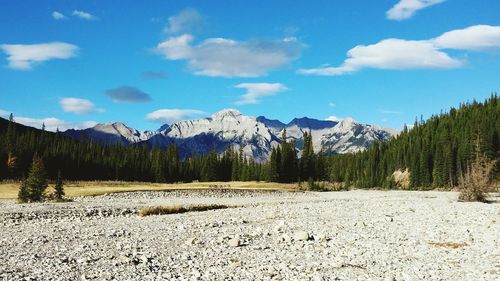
x,y
255,136
109,133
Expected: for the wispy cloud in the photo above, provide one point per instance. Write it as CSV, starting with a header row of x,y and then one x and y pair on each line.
x,y
339,119
4,113
230,58
154,75
188,20
332,104
58,16
78,106
406,9
84,15
399,54
384,111
127,94
51,123
23,57
255,91
170,116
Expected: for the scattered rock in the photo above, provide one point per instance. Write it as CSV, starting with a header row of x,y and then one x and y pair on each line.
x,y
286,238
301,236
191,241
235,242
320,237
389,277
101,238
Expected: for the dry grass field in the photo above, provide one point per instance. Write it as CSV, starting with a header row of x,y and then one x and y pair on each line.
x,y
8,190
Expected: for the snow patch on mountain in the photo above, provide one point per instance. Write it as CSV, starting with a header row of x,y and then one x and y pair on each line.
x,y
256,136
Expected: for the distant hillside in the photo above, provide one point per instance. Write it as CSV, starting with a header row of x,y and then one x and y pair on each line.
x,y
435,152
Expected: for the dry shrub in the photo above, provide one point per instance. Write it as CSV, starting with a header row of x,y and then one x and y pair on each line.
x,y
177,209
475,183
453,245
401,178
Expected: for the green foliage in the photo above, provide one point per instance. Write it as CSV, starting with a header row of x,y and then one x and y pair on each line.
x,y
315,186
436,152
36,181
23,195
59,187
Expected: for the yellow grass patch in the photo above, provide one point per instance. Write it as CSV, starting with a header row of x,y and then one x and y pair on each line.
x,y
177,209
8,190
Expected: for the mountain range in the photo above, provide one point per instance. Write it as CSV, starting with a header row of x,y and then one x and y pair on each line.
x,y
256,136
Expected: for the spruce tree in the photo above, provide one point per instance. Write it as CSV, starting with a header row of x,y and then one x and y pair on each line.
x,y
37,181
23,194
59,187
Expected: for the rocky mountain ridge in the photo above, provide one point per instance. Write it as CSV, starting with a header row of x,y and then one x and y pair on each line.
x,y
229,128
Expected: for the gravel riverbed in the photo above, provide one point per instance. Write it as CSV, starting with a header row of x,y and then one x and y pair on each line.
x,y
354,235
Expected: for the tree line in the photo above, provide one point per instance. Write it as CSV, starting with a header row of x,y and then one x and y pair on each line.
x,y
436,153
87,160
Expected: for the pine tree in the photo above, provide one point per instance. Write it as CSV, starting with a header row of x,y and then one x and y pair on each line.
x,y
37,181
274,162
10,145
23,194
59,187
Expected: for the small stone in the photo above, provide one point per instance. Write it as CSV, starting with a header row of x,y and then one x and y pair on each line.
x,y
389,219
235,242
301,236
144,259
389,277
235,263
124,259
196,273
190,241
320,237
286,238
318,277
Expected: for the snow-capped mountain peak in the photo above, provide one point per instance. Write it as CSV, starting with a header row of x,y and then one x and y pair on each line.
x,y
231,113
255,135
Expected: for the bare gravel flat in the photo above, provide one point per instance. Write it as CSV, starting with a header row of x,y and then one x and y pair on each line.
x,y
355,235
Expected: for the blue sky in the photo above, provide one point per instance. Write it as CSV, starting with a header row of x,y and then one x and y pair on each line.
x,y
75,63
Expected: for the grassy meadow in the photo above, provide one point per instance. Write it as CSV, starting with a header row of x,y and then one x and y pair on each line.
x,y
8,190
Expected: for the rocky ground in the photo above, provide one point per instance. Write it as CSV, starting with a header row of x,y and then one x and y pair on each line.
x,y
355,235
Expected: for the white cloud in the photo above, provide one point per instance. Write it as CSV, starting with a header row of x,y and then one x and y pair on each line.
x,y
77,106
23,57
410,54
333,118
405,9
477,37
84,15
58,16
332,104
170,116
338,119
255,91
188,20
231,58
4,113
176,48
390,54
51,123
